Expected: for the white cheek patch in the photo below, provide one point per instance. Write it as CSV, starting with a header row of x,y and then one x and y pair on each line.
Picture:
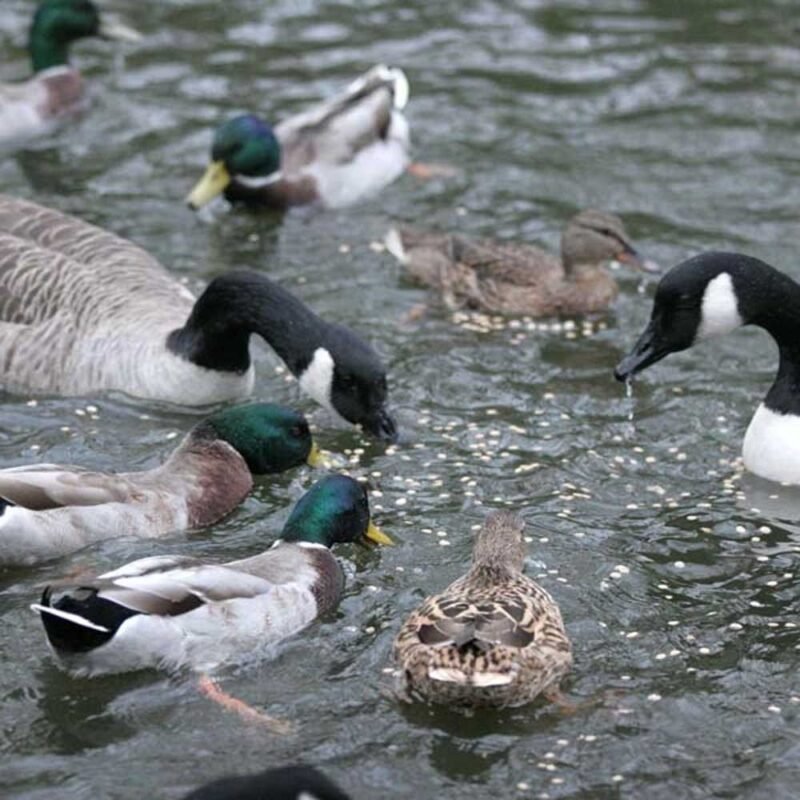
x,y
317,379
720,309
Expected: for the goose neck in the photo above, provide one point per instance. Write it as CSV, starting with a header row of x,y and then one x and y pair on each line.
x,y
236,305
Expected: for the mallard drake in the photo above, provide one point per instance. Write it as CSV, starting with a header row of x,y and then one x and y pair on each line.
x,y
48,510
337,152
83,311
511,278
299,782
55,92
175,611
494,637
713,294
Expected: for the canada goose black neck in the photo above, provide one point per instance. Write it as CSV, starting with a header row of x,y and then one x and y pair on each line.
x,y
237,304
775,301
333,364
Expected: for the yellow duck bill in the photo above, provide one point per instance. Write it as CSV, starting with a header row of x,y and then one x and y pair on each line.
x,y
213,182
316,458
111,29
375,534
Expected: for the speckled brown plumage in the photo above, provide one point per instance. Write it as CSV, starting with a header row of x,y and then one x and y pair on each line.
x,y
493,637
516,278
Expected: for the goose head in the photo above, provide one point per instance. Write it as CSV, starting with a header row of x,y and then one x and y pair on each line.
x,y
300,782
708,295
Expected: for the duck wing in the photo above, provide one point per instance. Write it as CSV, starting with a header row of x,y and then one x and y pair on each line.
x,y
334,131
156,585
167,586
46,486
440,258
480,625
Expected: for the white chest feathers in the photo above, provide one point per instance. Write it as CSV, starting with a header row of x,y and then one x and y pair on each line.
x,y
771,447
720,308
317,378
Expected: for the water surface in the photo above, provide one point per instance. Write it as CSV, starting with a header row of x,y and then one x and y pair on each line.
x,y
680,593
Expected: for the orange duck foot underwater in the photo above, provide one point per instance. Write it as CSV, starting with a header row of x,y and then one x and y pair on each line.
x,y
515,278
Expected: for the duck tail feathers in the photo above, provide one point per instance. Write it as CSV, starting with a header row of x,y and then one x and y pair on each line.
x,y
476,679
69,630
401,89
4,504
381,75
394,244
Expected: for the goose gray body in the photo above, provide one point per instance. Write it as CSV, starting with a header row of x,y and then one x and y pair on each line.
x,y
82,310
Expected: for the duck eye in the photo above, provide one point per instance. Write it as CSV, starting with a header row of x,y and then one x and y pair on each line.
x,y
299,430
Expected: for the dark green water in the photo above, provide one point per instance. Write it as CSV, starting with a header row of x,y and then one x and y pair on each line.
x,y
681,600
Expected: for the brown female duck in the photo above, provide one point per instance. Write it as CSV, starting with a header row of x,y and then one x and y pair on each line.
x,y
494,637
517,278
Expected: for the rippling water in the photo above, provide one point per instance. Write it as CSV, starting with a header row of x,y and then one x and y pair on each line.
x,y
679,589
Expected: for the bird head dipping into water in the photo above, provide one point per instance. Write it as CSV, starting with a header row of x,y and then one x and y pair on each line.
x,y
332,363
270,438
335,510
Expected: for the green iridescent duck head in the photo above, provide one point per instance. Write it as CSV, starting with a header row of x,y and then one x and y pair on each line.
x,y
334,510
245,148
59,23
270,438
